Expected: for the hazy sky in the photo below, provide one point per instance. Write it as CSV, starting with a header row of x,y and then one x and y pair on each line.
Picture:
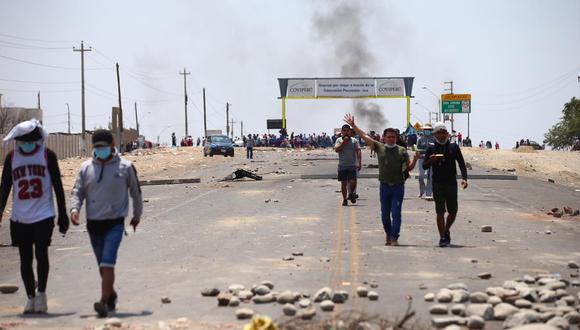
x,y
519,59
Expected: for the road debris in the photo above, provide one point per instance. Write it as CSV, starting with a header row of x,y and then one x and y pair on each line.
x,y
8,288
241,173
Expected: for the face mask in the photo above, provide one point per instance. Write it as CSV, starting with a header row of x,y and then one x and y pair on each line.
x,y
27,147
103,153
444,141
391,146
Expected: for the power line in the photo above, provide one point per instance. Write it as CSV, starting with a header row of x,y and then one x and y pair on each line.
x,y
36,91
41,82
38,40
48,65
15,45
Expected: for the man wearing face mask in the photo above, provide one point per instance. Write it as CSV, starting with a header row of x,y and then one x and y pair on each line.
x,y
424,142
105,183
393,161
32,170
441,158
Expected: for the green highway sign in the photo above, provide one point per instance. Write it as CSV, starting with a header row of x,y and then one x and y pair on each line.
x,y
456,103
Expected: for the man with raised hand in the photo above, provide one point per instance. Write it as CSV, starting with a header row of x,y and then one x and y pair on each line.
x,y
393,161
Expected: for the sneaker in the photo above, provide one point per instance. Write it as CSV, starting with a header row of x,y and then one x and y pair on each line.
x,y
352,198
101,309
442,242
40,305
355,195
429,198
420,196
448,238
112,302
344,203
388,241
29,307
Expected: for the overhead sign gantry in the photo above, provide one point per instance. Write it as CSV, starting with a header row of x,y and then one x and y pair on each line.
x,y
350,88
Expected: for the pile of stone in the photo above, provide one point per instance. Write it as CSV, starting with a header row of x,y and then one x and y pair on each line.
x,y
566,210
298,304
547,299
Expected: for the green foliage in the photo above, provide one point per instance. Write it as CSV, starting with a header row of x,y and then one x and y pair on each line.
x,y
566,133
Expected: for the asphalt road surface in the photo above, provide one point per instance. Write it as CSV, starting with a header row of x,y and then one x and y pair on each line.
x,y
214,234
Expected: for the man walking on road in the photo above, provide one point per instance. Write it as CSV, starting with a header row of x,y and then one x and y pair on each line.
x,y
250,143
423,144
347,148
441,158
393,161
32,170
103,182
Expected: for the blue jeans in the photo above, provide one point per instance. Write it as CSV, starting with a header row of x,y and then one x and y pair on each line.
x,y
106,245
425,190
249,152
392,203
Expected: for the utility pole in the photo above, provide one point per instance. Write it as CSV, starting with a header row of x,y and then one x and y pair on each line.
x,y
38,95
137,124
185,74
232,126
242,129
227,119
204,116
451,92
83,50
68,113
120,126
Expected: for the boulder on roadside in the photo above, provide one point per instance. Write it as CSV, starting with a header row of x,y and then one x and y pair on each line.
x,y
327,306
483,310
224,298
244,313
503,310
438,309
475,322
8,288
478,297
362,291
289,310
521,318
323,294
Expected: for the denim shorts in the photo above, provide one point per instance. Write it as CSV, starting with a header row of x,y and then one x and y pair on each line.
x,y
106,244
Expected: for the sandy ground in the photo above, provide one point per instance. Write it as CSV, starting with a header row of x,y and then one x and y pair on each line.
x,y
561,166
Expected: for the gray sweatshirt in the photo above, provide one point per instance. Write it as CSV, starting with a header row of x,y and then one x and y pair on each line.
x,y
105,188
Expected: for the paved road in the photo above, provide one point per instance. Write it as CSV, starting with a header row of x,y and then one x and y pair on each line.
x,y
219,233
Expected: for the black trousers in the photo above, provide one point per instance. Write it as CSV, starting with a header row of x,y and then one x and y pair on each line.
x,y
32,241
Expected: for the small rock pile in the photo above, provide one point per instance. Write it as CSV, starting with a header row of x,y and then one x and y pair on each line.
x,y
566,210
298,304
546,299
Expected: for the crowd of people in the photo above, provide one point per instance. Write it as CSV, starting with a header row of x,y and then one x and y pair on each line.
x,y
31,172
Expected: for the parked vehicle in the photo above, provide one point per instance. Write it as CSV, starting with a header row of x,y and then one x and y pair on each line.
x,y
536,145
239,143
218,145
